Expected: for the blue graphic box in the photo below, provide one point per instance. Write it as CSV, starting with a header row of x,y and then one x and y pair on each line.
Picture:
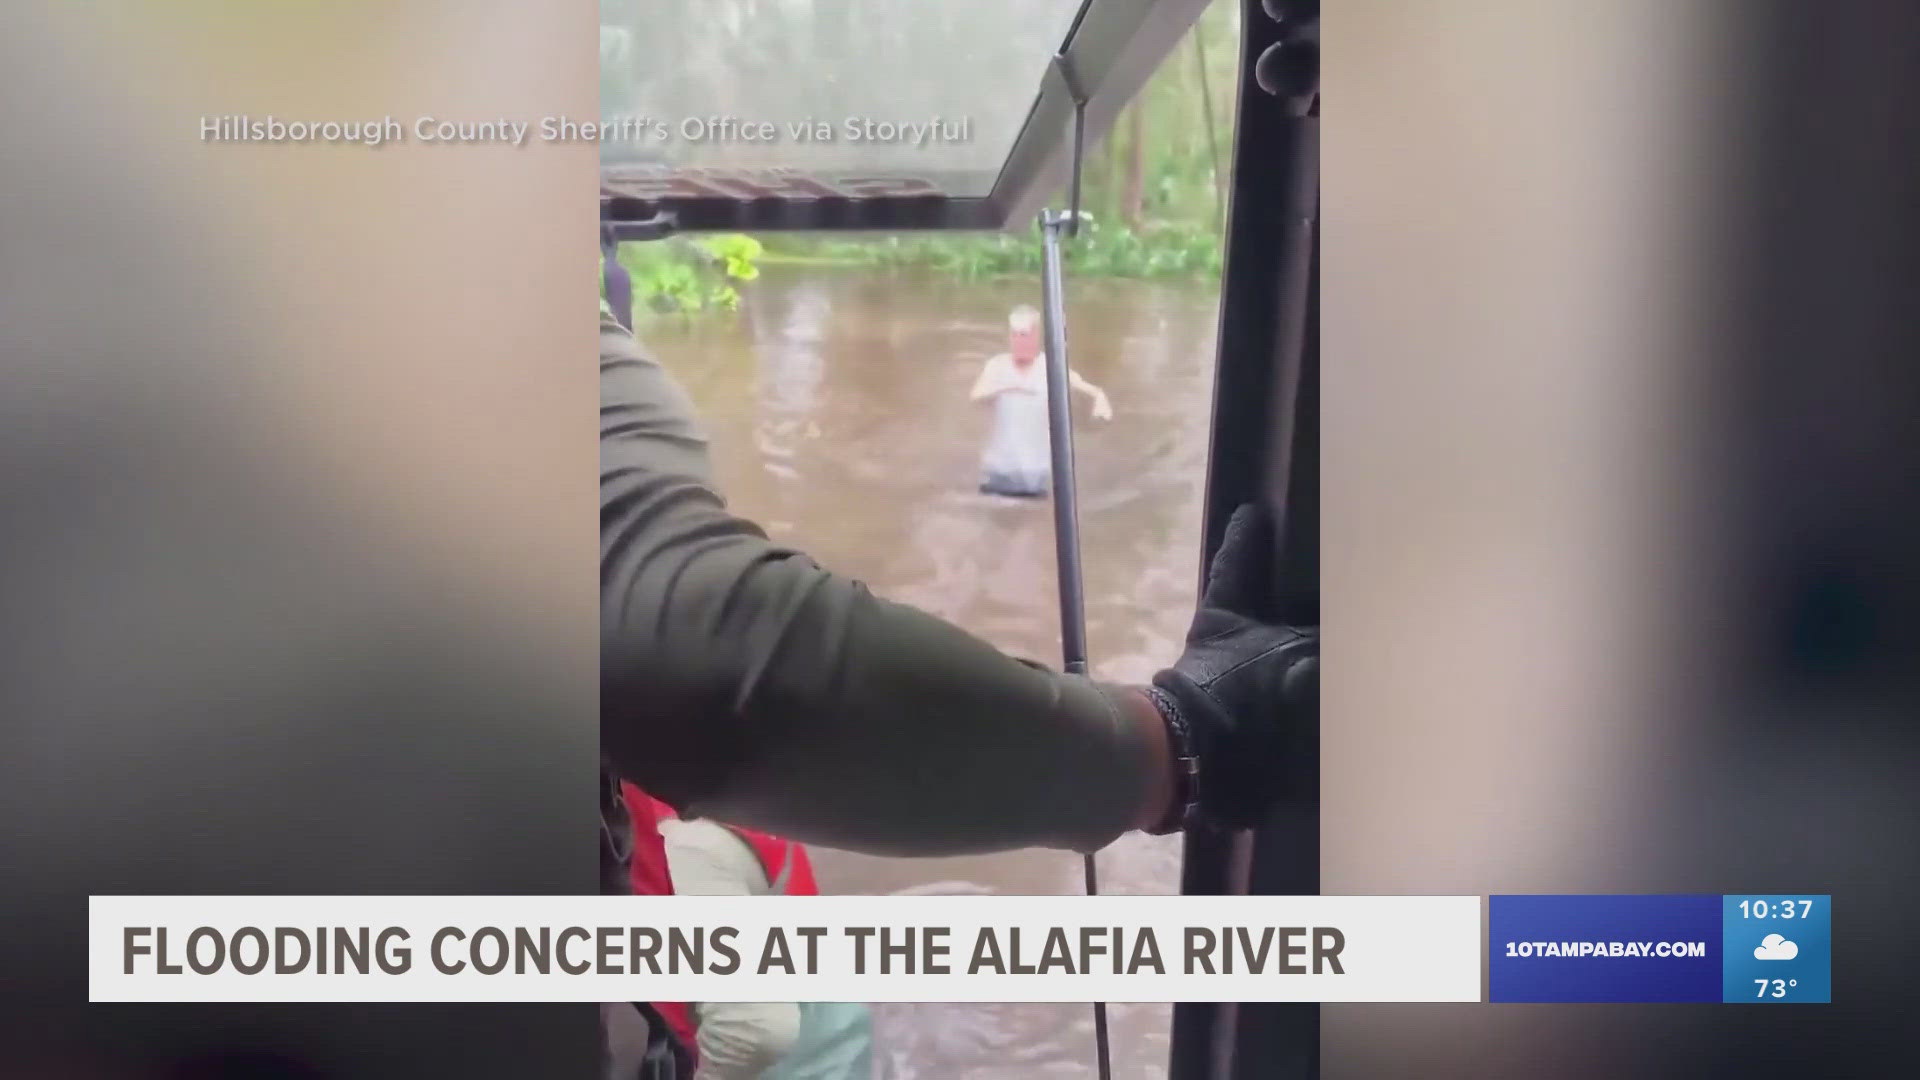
x,y
1605,948
1779,949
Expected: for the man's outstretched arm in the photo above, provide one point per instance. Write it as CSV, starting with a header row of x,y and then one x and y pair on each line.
x,y
1102,408
742,681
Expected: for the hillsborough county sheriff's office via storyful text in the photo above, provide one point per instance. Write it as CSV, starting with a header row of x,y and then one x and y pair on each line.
x,y
433,130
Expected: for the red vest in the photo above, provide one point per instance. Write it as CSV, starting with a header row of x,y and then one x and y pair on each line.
x,y
781,857
652,877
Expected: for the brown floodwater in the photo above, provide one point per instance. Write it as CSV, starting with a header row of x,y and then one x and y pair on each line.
x,y
837,407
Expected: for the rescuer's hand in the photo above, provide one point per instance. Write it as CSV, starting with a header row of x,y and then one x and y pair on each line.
x,y
1247,691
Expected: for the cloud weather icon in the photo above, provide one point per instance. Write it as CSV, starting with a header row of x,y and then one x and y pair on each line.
x,y
1775,947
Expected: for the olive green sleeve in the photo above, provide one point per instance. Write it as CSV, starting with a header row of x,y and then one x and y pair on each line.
x,y
742,681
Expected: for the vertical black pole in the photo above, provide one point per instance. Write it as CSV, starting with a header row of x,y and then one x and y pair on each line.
x,y
1066,518
614,277
1266,448
1066,512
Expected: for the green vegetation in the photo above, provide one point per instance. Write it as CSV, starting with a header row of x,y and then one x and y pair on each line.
x,y
690,273
1158,250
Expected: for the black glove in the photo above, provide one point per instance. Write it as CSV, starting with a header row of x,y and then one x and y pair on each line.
x,y
1245,696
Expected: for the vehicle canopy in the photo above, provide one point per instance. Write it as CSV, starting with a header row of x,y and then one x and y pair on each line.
x,y
861,114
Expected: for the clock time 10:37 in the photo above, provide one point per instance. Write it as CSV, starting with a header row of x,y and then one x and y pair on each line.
x,y
1777,909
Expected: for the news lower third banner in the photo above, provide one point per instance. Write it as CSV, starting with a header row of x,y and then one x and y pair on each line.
x,y
960,948
779,948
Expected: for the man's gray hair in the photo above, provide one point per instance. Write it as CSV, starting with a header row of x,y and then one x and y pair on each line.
x,y
1024,317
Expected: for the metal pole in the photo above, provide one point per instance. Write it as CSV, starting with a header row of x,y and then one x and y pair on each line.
x,y
1066,514
1066,517
614,277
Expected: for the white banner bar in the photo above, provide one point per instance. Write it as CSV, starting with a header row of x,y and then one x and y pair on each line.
x,y
828,948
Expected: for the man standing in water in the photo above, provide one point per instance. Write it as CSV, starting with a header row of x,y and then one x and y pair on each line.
x,y
1019,458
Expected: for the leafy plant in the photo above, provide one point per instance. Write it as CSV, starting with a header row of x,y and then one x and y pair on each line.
x,y
737,254
684,275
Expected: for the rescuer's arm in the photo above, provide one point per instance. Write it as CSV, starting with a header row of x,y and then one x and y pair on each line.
x,y
739,1040
743,682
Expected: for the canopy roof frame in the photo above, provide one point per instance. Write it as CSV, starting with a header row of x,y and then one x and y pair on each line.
x,y
1112,48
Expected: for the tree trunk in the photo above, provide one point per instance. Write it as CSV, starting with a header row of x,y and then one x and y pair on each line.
x,y
1206,116
1105,178
1133,194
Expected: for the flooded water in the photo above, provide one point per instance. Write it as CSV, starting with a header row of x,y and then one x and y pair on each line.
x,y
837,406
